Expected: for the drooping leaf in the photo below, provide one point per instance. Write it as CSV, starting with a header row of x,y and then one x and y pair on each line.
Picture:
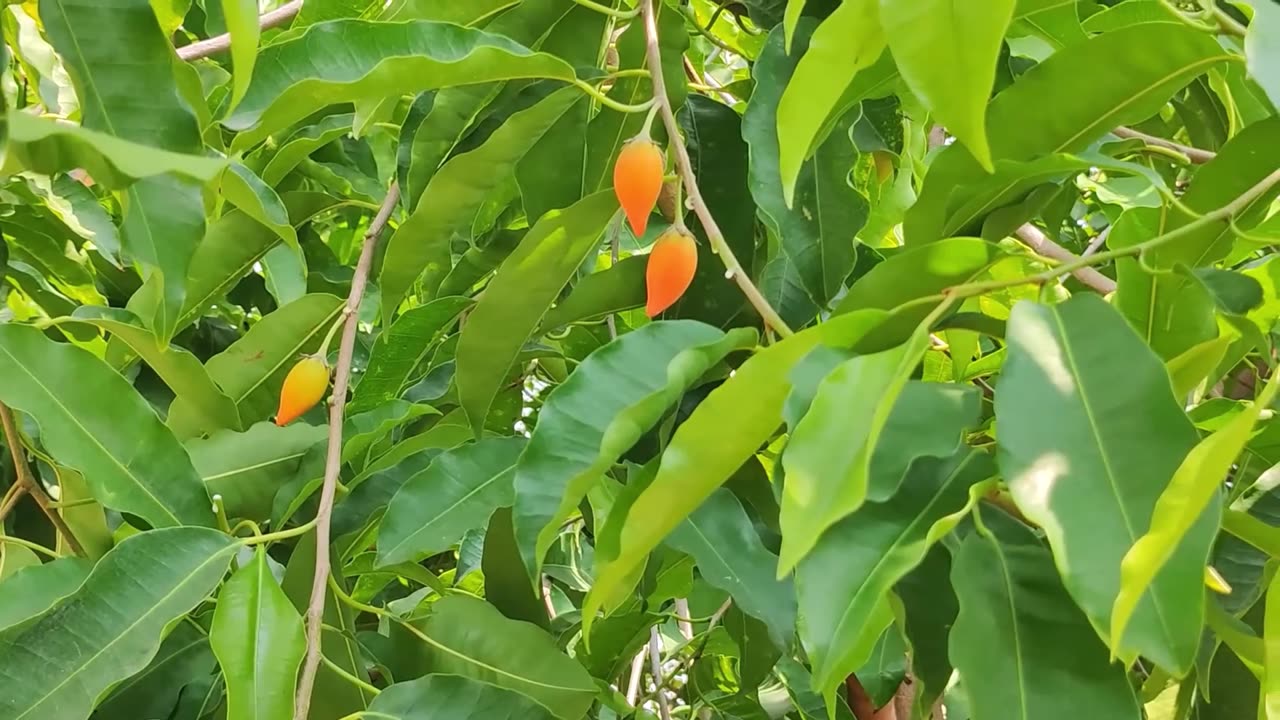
x,y
929,611
163,224
927,420
456,493
445,697
367,58
259,641
252,195
241,17
1092,479
591,419
457,193
506,585
519,296
401,350
58,664
99,428
247,468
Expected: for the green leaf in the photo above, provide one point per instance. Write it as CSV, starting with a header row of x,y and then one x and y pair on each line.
x,y
58,664
615,289
519,295
247,468
927,420
1262,48
1019,644
457,192
241,17
259,641
183,656
109,76
701,457
929,611
730,556
253,368
374,58
99,429
252,195
506,586
946,51
809,704
456,493
1197,482
211,409
1271,646
274,163
48,146
398,354
854,566
446,10
849,40
816,232
466,636
34,589
1092,477
828,458
591,419
163,224
447,697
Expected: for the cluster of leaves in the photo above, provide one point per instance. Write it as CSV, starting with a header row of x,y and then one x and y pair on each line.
x,y
1006,454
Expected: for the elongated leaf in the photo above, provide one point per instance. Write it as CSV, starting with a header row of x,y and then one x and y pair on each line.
x,y
99,429
258,638
108,96
816,233
828,459
247,468
32,590
58,665
456,493
1093,477
927,420
211,409
163,224
947,50
1271,646
506,586
1040,114
857,562
252,195
298,146
1197,482
374,58
591,419
400,351
466,636
929,610
50,146
447,11
700,457
519,295
446,697
457,193
242,23
1019,643
618,288
730,556
184,655
849,40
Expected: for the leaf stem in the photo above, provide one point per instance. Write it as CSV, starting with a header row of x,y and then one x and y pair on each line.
x,y
30,485
685,165
28,545
609,102
333,460
606,10
1226,24
337,670
281,534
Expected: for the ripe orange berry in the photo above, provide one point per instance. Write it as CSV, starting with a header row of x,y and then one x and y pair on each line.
x,y
637,180
672,262
303,387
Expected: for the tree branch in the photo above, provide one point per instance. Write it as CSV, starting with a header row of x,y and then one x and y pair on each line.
x,y
333,461
685,166
655,666
1195,155
222,43
29,484
1032,237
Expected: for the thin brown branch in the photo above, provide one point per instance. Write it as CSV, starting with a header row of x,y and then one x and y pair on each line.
x,y
333,461
11,499
733,268
655,667
859,701
222,43
30,484
1195,155
1032,237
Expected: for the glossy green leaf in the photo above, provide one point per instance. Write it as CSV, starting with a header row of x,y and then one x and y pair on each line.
x,y
809,704
1092,479
929,609
183,656
247,468
506,586
447,11
591,419
519,295
927,420
163,224
946,51
273,164
466,636
98,429
252,195
456,493
364,58
612,290
32,590
1197,482
58,664
730,556
828,458
401,349
1271,646
856,563
816,232
447,697
241,17
259,641
849,40
1019,643
457,192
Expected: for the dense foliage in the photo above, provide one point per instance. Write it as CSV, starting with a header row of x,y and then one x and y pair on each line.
x,y
927,374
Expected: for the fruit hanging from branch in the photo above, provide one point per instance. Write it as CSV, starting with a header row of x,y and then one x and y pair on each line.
x,y
303,387
672,262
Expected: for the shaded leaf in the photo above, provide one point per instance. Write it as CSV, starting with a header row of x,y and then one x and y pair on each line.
x,y
445,697
32,590
247,468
